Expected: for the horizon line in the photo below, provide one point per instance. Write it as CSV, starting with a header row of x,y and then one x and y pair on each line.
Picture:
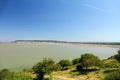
x,y
47,40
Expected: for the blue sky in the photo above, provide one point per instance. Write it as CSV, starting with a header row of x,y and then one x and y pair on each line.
x,y
67,20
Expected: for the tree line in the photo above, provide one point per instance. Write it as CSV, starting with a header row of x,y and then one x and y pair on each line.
x,y
47,65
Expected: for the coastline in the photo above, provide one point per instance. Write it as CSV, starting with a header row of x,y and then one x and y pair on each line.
x,y
74,44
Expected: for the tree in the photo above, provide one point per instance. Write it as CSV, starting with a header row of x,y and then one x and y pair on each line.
x,y
79,67
44,67
117,56
75,61
89,60
65,63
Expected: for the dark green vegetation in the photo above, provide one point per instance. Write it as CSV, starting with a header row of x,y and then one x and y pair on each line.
x,y
115,75
44,67
112,64
117,56
65,63
75,61
8,75
89,60
84,64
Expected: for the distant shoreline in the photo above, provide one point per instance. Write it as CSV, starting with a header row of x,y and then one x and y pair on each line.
x,y
56,41
106,44
103,44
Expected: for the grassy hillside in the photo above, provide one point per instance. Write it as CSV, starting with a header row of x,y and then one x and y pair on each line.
x,y
92,74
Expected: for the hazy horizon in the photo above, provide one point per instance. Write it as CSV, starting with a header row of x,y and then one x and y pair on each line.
x,y
66,41
62,20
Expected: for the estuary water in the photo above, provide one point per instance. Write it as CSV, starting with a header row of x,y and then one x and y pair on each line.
x,y
19,56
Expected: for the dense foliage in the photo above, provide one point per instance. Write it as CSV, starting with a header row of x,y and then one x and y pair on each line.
x,y
8,75
117,56
112,64
89,60
57,67
65,63
44,67
113,76
79,67
75,61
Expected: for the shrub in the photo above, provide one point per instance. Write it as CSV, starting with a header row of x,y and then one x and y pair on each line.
x,y
65,63
117,56
89,60
113,76
44,67
8,75
79,67
57,67
75,61
112,64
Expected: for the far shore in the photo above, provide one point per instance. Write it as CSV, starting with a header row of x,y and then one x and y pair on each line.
x,y
74,44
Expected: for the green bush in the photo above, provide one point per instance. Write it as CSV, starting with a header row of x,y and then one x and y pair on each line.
x,y
113,64
65,63
79,67
113,76
75,61
57,67
117,56
44,67
90,60
8,75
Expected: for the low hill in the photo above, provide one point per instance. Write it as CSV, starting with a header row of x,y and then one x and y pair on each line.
x,y
56,41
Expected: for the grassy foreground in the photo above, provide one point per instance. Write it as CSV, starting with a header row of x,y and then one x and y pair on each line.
x,y
72,74
93,73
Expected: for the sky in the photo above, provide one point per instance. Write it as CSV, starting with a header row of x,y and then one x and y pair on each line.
x,y
64,20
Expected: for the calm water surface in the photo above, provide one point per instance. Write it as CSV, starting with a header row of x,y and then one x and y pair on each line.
x,y
18,56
